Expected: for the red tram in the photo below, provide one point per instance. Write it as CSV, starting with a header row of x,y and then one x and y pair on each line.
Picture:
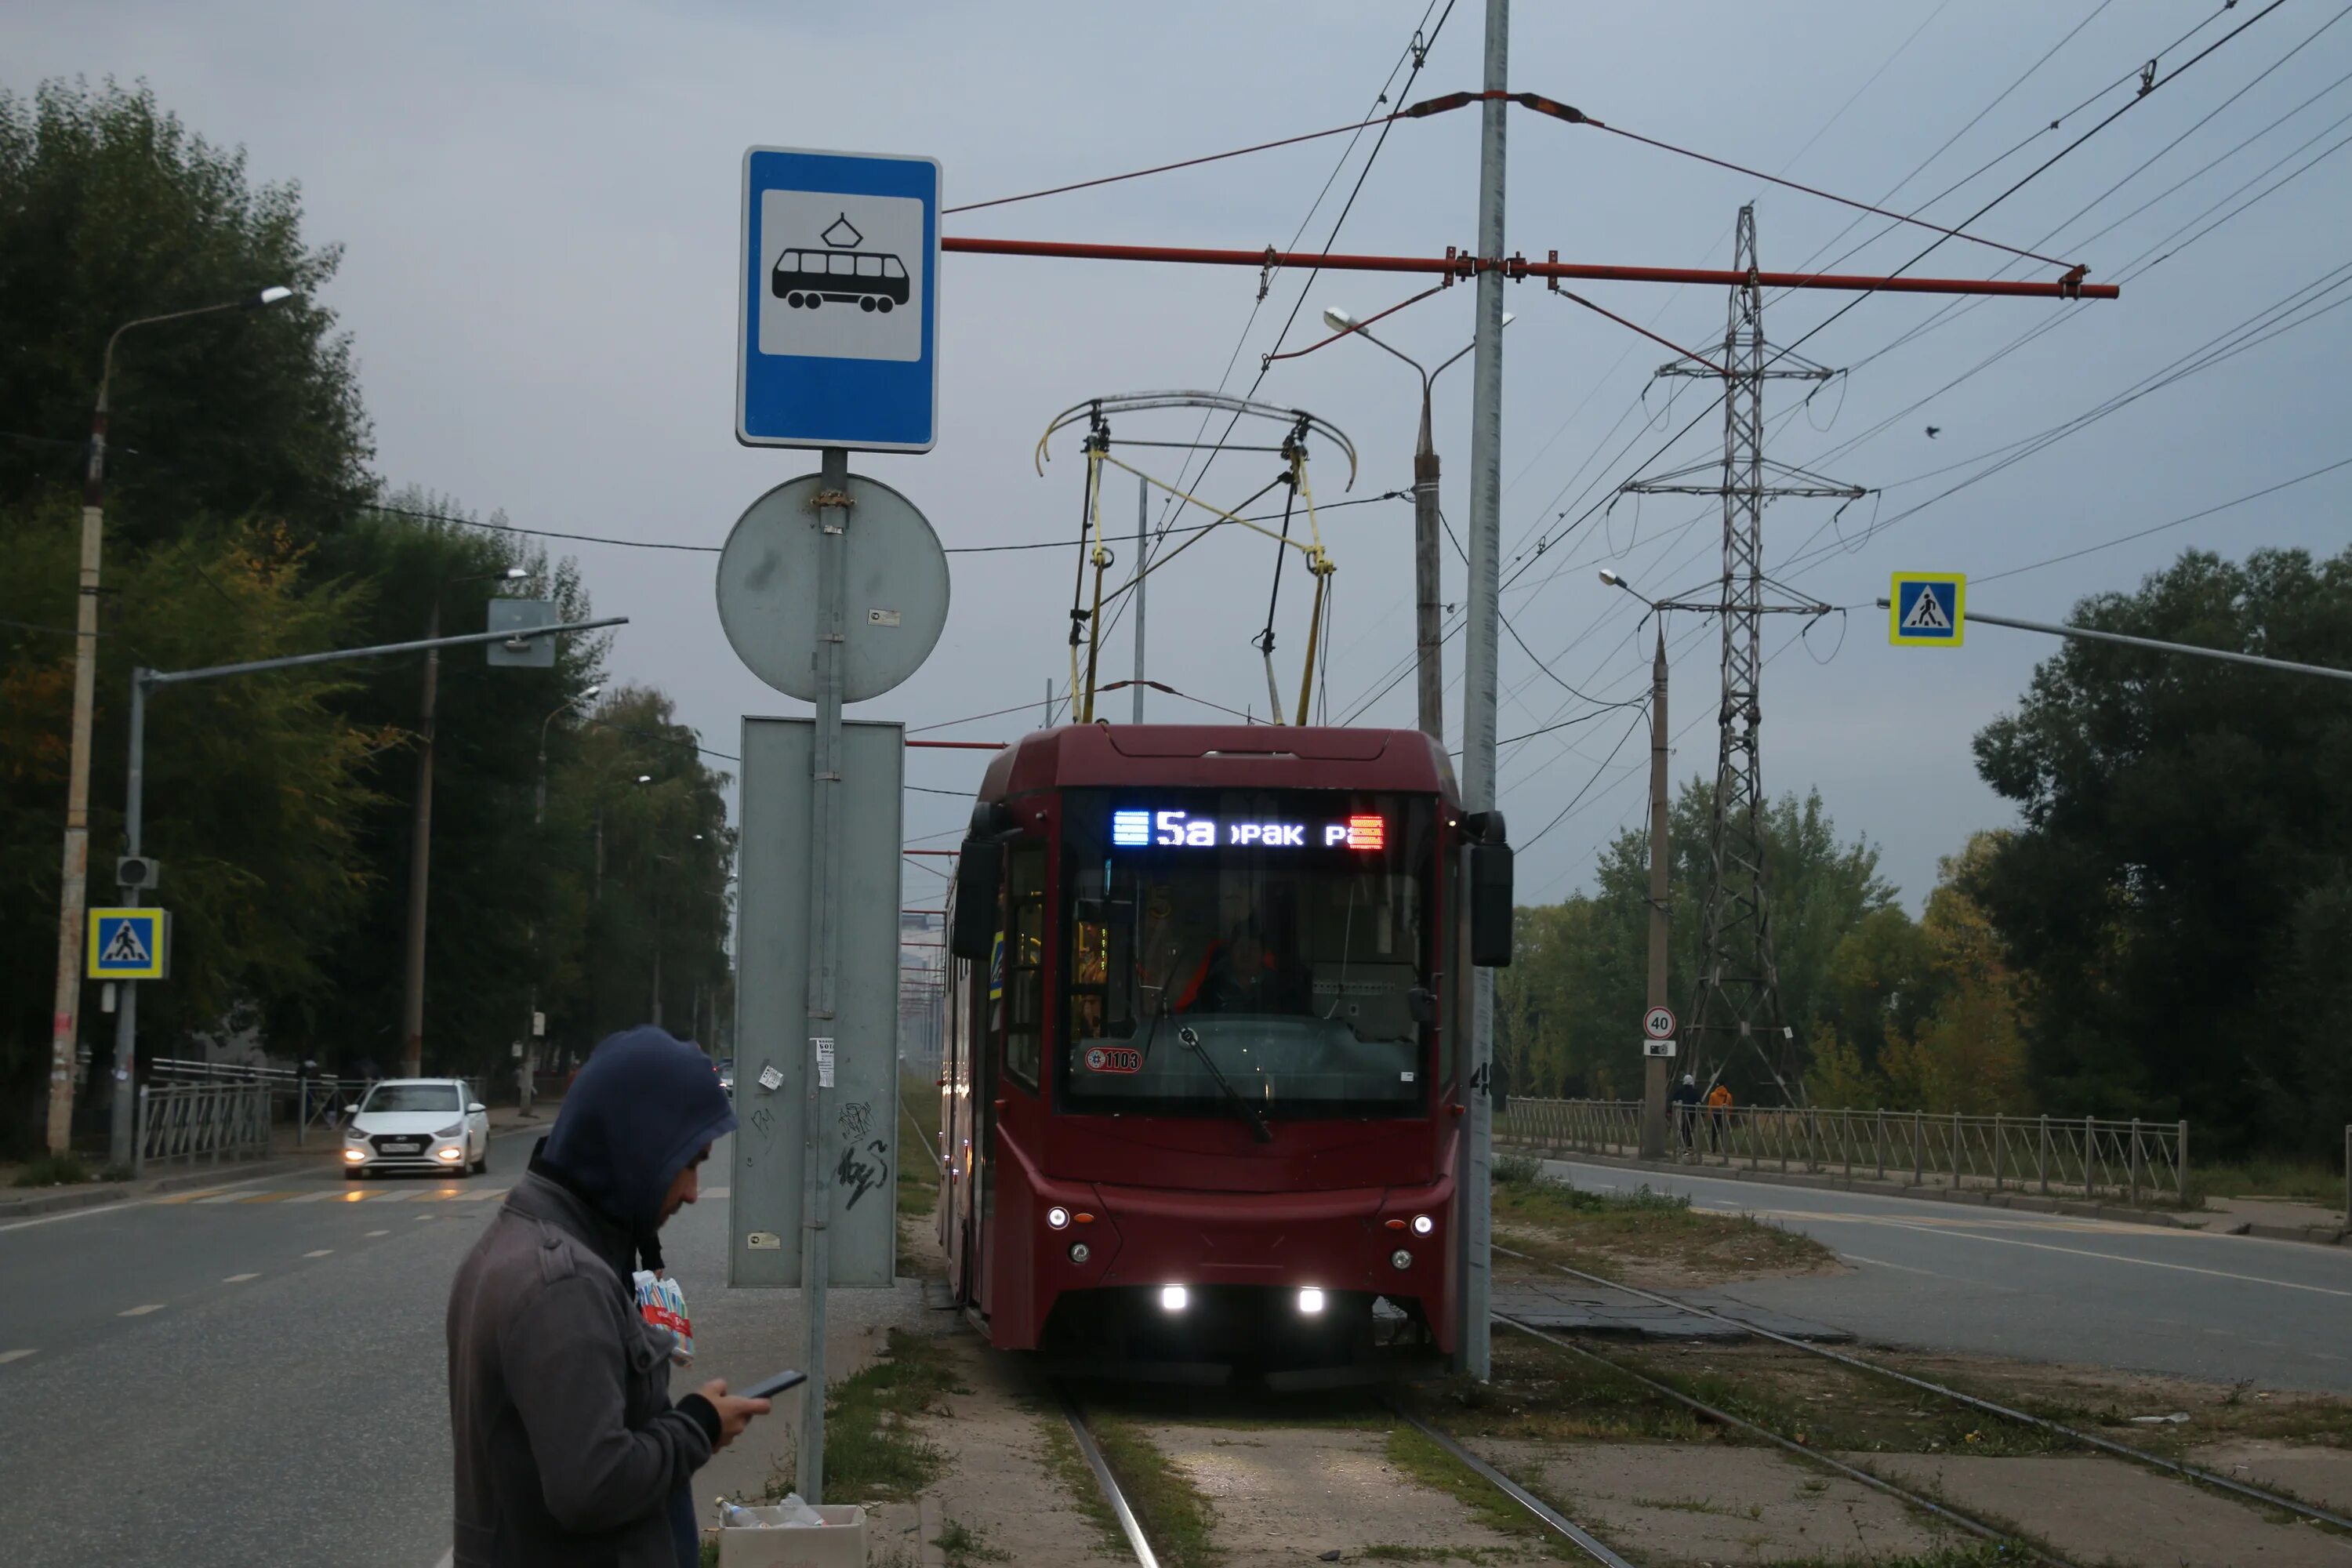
x,y
1203,1098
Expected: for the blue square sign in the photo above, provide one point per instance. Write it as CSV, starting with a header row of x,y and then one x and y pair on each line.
x,y
838,345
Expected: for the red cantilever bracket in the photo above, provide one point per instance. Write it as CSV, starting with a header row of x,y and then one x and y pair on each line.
x,y
1455,263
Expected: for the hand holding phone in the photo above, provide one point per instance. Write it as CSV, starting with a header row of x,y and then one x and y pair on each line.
x,y
768,1388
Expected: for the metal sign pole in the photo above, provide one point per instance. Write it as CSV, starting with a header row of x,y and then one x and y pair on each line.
x,y
831,506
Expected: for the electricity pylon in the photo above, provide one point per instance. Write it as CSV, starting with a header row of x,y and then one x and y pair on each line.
x,y
1738,997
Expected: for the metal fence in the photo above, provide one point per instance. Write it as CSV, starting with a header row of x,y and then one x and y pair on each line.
x,y
2134,1160
312,1100
184,1122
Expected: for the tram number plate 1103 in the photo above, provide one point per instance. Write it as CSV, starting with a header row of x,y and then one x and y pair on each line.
x,y
1114,1058
1142,829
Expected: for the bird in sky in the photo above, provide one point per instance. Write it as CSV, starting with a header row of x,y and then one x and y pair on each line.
x,y
1934,431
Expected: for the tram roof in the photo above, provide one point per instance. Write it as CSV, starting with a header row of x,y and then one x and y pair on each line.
x,y
1221,757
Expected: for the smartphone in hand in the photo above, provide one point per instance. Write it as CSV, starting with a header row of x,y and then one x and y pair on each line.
x,y
768,1388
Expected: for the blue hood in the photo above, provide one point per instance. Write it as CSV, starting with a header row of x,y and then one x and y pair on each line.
x,y
645,1105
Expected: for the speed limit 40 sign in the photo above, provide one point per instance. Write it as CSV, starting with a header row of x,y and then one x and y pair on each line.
x,y
1658,1023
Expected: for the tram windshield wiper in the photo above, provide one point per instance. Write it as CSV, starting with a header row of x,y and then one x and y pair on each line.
x,y
1249,1113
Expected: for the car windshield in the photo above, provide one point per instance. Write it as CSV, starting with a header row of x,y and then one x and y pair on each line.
x,y
412,1097
1253,946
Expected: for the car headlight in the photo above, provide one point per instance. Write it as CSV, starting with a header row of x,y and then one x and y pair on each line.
x,y
452,1130
354,1135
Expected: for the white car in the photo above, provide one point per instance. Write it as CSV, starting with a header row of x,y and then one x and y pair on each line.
x,y
417,1124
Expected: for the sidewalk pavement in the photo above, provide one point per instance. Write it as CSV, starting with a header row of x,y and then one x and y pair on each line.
x,y
2274,1219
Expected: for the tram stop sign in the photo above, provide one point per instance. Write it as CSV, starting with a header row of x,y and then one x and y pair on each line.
x,y
838,340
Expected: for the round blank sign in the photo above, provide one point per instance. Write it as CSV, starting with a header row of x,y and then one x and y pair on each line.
x,y
896,586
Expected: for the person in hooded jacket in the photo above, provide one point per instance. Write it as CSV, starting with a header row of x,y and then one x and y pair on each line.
x,y
569,1449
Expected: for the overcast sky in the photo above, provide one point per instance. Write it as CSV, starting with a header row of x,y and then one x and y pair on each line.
x,y
539,206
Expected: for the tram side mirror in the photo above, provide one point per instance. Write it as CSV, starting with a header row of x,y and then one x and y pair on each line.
x,y
980,870
1421,1004
1490,905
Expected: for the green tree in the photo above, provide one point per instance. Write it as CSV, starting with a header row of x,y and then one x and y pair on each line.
x,y
2178,888
109,211
254,783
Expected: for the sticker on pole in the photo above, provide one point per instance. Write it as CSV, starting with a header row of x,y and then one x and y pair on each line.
x,y
839,333
1658,1048
130,944
1658,1023
1927,607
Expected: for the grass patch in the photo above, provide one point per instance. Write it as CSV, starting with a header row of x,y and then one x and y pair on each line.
x,y
872,1451
2310,1182
1176,1518
964,1546
1069,1468
1642,1235
54,1170
1411,1452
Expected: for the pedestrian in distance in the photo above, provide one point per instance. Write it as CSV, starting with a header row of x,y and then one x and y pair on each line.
x,y
1686,1106
1718,1116
569,1449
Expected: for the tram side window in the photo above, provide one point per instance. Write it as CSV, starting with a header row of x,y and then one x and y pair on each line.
x,y
1024,956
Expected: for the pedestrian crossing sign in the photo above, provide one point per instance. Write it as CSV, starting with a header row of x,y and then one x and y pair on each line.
x,y
130,944
1927,607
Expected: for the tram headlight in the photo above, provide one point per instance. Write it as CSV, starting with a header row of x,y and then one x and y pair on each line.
x,y
1080,1252
1057,1216
1423,1224
1172,1297
1310,1300
1401,1257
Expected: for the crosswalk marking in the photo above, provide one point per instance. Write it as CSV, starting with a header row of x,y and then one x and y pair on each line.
x,y
240,1278
7,1356
469,1194
140,1311
188,1197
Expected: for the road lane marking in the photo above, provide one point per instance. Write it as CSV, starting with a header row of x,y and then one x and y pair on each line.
x,y
1908,1269
379,1232
140,1311
7,1356
265,1198
2118,1257
200,1194
321,1252
118,1208
318,1197
240,1278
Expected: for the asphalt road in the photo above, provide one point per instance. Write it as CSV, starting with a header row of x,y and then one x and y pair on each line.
x,y
2047,1287
256,1379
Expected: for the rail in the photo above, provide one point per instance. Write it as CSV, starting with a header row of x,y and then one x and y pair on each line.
x,y
2136,1160
317,1100
185,1122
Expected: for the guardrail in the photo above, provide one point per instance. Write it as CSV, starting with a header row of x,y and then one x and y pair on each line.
x,y
184,1122
318,1102
2096,1157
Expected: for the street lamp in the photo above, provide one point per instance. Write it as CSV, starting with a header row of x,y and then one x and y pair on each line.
x,y
73,891
420,844
1655,1070
1427,632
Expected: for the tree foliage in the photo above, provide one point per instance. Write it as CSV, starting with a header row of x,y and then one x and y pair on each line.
x,y
2182,888
111,211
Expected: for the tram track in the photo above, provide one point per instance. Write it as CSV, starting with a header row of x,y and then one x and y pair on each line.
x,y
2174,1468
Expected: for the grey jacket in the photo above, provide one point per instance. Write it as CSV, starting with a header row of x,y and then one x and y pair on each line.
x,y
568,1448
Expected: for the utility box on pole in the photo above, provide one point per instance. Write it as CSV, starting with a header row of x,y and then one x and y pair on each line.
x,y
774,1053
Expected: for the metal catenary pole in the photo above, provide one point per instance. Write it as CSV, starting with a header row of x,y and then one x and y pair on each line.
x,y
1472,1334
1142,513
832,504
1429,635
1657,1070
142,681
2288,664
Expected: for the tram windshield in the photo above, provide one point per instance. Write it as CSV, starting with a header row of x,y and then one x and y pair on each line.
x,y
1262,953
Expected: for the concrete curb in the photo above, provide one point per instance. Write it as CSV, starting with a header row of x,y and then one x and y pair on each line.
x,y
2317,1236
1967,1197
117,1191
223,1175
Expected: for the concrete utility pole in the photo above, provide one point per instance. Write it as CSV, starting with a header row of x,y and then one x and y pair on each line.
x,y
1657,1070
1475,1354
1737,999
420,840
73,882
134,795
1142,511
531,1033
